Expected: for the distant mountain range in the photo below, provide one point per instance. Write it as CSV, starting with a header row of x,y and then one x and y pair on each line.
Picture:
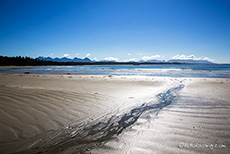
x,y
87,60
152,61
64,59
189,61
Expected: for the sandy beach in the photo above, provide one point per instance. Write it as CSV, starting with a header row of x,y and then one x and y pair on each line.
x,y
196,121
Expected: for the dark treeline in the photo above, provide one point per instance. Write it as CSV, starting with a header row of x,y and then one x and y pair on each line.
x,y
27,61
21,61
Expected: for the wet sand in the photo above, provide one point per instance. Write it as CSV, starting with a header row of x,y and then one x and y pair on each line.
x,y
196,120
31,104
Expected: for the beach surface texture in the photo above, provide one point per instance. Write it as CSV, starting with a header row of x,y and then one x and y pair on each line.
x,y
42,113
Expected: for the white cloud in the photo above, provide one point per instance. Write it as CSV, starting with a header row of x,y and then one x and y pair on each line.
x,y
128,54
87,55
184,57
111,59
131,59
190,57
66,55
140,54
208,59
76,54
95,58
145,58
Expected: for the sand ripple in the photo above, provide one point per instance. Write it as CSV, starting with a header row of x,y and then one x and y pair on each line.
x,y
189,125
77,138
26,112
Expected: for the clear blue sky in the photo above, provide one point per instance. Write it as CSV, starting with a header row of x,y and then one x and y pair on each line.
x,y
123,29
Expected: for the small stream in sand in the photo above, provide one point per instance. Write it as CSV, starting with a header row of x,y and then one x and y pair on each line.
x,y
82,138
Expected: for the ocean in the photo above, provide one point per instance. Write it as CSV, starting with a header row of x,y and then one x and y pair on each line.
x,y
209,71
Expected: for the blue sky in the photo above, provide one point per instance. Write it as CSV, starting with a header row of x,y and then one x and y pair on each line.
x,y
116,29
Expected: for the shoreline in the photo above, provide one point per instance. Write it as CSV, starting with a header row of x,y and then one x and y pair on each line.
x,y
27,99
183,71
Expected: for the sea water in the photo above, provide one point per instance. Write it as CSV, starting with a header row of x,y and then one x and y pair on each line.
x,y
216,70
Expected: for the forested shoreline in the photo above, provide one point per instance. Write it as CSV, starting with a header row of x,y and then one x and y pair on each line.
x,y
27,61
